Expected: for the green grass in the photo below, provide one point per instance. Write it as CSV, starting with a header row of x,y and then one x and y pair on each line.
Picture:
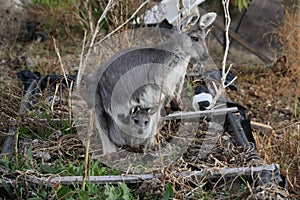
x,y
28,190
281,146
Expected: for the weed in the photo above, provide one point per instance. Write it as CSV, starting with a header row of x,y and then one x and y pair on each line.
x,y
122,192
22,188
169,193
66,21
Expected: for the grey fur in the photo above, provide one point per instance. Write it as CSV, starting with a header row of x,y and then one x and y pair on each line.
x,y
134,85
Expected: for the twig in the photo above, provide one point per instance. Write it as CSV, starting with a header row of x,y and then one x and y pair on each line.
x,y
211,173
54,97
82,66
16,142
223,86
81,61
247,45
70,102
217,161
87,147
119,27
225,4
260,125
60,61
90,18
98,24
194,114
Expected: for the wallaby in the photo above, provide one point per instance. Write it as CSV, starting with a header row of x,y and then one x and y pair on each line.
x,y
134,85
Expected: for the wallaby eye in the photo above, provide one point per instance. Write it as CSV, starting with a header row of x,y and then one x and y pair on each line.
x,y
195,38
135,109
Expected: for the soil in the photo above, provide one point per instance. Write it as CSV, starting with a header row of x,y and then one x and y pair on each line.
x,y
268,94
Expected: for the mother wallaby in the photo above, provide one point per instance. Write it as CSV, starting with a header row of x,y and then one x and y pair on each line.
x,y
133,86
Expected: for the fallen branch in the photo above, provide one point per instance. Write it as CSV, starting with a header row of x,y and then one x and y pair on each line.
x,y
194,114
212,173
257,125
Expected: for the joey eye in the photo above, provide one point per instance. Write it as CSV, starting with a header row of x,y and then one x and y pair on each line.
x,y
135,109
195,38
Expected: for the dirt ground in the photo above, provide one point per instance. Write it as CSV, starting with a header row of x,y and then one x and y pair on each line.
x,y
269,91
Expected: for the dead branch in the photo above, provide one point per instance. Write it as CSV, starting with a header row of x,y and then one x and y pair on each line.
x,y
194,114
212,173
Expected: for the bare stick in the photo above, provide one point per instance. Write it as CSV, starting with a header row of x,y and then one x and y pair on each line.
x,y
70,102
81,66
16,142
81,61
90,18
138,178
98,24
223,86
195,114
225,4
60,61
54,97
119,27
211,173
87,147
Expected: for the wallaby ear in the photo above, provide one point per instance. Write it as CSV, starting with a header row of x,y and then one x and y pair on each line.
x,y
207,19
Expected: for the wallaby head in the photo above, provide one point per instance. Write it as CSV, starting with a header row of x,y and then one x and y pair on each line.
x,y
189,45
194,26
140,118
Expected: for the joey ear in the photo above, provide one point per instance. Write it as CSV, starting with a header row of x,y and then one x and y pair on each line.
x,y
207,19
153,110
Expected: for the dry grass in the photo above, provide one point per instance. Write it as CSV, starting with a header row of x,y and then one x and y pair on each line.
x,y
266,93
272,97
270,101
288,36
282,146
10,100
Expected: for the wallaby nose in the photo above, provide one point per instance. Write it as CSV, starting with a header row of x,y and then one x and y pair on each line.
x,y
204,56
141,121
